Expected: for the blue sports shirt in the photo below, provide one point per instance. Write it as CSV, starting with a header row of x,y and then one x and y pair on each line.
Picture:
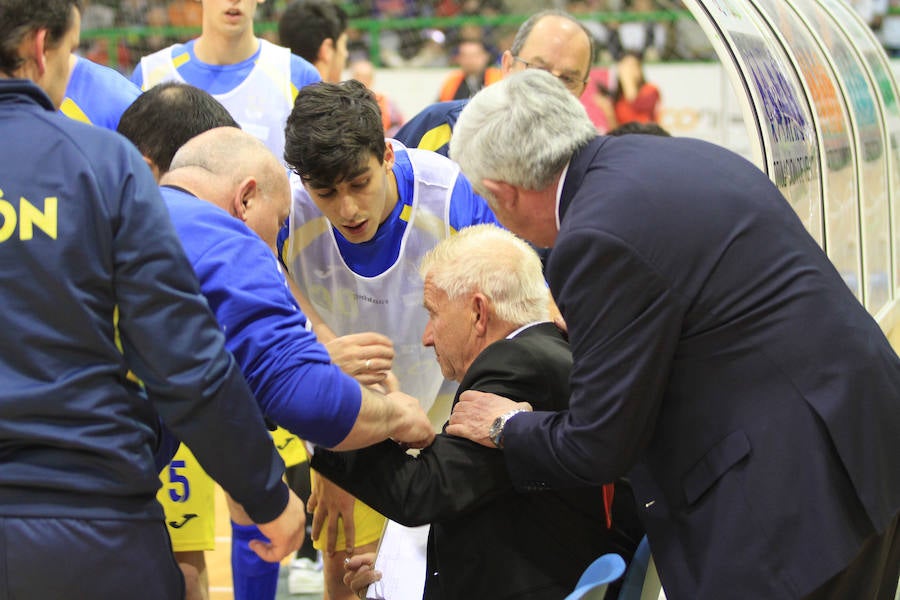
x,y
97,94
432,128
289,371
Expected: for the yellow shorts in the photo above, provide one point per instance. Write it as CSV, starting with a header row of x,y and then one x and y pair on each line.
x,y
369,525
187,494
187,497
290,447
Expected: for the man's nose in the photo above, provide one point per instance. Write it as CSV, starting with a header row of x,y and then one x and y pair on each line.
x,y
427,337
348,207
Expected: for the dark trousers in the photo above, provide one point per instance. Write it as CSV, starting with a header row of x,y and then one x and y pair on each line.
x,y
873,573
61,559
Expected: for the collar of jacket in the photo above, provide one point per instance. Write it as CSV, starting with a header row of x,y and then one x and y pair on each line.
x,y
24,89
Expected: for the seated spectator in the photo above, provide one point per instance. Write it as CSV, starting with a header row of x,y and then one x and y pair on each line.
x,y
890,31
648,38
550,40
634,99
398,45
490,330
473,74
363,71
185,13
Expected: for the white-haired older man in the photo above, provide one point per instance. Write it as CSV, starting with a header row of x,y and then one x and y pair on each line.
x,y
719,359
488,323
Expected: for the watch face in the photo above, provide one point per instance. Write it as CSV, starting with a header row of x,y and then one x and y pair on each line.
x,y
496,430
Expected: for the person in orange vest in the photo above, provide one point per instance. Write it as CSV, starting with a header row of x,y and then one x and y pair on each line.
x,y
391,118
473,74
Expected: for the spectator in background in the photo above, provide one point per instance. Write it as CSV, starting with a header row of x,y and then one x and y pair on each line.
x,y
398,45
634,99
474,71
317,31
551,40
871,11
185,13
364,72
97,16
890,31
644,36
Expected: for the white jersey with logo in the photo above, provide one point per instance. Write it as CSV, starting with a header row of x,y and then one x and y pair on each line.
x,y
260,104
390,302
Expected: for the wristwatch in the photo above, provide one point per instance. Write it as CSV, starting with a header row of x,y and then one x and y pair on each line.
x,y
496,430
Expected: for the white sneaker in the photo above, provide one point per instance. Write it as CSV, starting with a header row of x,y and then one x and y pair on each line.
x,y
305,577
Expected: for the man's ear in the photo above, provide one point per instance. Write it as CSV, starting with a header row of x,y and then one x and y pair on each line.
x,y
326,51
388,156
481,311
244,197
506,194
36,47
506,62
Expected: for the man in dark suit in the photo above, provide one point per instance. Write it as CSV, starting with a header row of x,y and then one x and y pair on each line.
x,y
488,309
719,358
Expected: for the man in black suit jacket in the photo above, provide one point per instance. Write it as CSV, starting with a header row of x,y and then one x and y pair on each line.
x,y
718,356
490,333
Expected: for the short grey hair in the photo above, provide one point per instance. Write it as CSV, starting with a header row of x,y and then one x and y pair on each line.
x,y
521,131
496,263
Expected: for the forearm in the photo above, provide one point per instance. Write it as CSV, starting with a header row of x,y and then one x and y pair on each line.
x,y
377,419
445,480
323,332
236,450
313,400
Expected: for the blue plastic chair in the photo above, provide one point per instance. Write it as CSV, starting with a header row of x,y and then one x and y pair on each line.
x,y
598,575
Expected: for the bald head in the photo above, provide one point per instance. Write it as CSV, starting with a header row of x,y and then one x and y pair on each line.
x,y
554,41
235,171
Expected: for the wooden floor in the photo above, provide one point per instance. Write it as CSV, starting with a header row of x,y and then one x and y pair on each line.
x,y
218,563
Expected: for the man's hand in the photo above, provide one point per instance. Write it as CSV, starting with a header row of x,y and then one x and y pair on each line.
x,y
360,573
366,357
329,503
390,383
412,426
475,412
285,532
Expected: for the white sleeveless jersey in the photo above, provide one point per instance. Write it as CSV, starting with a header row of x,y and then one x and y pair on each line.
x,y
391,302
260,104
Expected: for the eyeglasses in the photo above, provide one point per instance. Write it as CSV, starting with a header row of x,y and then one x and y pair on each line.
x,y
573,84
